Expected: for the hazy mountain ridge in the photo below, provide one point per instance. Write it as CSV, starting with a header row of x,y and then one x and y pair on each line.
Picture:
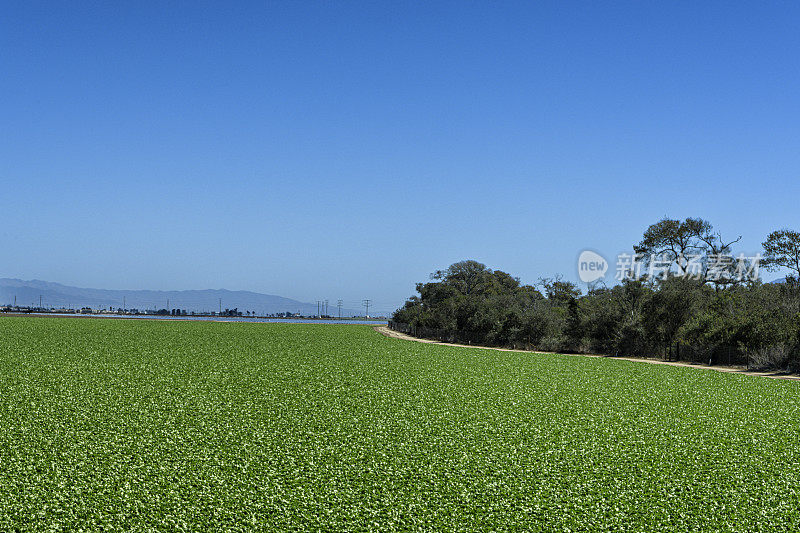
x,y
52,294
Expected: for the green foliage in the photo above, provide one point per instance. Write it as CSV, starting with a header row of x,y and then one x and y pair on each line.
x,y
675,241
142,425
490,304
711,315
782,250
674,238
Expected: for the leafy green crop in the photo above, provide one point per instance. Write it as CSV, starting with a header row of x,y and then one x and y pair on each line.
x,y
150,425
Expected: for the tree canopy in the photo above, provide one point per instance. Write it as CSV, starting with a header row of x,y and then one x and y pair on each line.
x,y
713,316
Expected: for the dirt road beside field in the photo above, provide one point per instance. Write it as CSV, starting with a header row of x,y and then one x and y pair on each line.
x,y
384,330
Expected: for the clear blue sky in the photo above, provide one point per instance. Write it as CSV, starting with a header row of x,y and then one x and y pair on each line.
x,y
346,150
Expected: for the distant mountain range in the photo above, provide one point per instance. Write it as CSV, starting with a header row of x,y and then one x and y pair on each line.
x,y
27,293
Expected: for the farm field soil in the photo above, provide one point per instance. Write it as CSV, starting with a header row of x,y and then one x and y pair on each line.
x,y
154,425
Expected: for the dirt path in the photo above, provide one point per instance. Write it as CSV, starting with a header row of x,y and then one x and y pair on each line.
x,y
384,330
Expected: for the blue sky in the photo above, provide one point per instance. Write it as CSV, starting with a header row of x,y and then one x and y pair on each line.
x,y
346,150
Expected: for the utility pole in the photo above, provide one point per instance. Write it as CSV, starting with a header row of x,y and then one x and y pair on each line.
x,y
366,304
339,305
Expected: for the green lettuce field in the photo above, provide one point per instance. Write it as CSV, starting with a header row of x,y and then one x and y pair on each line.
x,y
198,426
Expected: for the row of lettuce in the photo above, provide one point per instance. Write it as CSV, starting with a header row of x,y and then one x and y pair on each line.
x,y
707,317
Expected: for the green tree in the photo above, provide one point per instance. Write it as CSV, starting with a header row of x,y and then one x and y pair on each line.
x,y
670,308
693,247
675,240
782,249
558,291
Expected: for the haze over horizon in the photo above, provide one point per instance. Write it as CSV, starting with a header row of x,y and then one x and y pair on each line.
x,y
29,293
347,150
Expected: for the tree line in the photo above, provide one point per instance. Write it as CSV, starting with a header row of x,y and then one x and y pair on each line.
x,y
699,308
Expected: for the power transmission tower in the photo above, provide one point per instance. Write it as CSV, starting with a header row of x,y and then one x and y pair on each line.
x,y
366,304
318,302
40,301
220,306
339,305
326,308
